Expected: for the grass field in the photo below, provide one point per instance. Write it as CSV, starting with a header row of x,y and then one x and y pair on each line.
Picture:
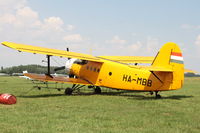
x,y
50,111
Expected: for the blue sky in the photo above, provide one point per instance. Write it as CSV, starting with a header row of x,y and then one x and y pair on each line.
x,y
101,27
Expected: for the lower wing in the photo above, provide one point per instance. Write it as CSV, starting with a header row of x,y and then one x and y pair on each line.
x,y
58,79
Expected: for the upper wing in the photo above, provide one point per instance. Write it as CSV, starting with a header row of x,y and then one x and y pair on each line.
x,y
130,59
48,51
152,68
189,71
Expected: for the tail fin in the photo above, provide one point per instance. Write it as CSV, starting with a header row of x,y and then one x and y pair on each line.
x,y
170,57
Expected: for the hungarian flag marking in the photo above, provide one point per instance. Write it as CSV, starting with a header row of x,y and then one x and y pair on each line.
x,y
176,58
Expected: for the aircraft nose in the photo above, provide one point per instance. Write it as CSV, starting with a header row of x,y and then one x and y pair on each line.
x,y
69,64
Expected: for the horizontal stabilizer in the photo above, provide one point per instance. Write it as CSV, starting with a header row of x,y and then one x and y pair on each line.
x,y
159,69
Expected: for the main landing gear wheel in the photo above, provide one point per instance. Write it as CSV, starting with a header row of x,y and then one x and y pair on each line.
x,y
68,91
97,90
158,96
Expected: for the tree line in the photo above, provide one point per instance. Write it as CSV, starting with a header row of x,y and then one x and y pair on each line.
x,y
30,68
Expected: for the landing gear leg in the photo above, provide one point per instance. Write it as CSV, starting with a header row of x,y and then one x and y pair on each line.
x,y
158,96
97,90
68,90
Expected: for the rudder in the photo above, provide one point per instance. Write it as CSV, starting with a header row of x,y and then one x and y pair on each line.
x,y
170,57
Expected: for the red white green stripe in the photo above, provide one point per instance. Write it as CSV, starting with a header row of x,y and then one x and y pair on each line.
x,y
176,58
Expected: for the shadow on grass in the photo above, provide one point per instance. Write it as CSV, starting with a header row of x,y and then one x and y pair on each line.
x,y
75,94
137,96
146,97
174,97
41,96
119,94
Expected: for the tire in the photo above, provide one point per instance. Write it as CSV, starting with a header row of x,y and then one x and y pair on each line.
x,y
158,96
97,90
68,91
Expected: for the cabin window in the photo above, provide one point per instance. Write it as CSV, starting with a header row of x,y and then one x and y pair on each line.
x,y
90,68
94,69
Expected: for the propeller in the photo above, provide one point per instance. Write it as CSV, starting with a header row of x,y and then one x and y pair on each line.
x,y
59,68
62,67
68,51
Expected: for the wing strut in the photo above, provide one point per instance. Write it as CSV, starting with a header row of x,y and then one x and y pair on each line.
x,y
48,65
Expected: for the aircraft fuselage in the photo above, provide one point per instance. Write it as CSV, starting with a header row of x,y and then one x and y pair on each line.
x,y
120,76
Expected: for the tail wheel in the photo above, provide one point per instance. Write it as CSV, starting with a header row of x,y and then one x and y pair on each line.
x,y
158,96
68,91
97,90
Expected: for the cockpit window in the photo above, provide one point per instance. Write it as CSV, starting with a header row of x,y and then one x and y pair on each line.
x,y
80,62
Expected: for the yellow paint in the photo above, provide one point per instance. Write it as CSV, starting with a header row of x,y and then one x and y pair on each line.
x,y
162,75
129,59
48,51
116,75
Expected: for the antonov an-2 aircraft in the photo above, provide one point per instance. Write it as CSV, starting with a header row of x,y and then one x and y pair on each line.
x,y
166,71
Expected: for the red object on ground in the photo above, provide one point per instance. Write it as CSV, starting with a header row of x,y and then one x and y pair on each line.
x,y
7,99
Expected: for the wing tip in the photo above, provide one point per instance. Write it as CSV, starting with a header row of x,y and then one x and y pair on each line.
x,y
5,43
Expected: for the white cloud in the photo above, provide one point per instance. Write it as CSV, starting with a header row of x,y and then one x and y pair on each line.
x,y
152,45
189,27
186,26
136,46
20,23
10,6
70,27
146,47
74,38
53,23
27,12
197,42
25,18
116,40
23,24
7,19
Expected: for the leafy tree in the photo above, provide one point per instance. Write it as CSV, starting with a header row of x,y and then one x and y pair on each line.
x,y
30,68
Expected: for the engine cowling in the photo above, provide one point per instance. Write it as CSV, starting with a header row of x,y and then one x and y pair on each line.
x,y
73,66
68,65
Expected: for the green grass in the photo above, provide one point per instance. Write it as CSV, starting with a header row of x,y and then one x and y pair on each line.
x,y
112,112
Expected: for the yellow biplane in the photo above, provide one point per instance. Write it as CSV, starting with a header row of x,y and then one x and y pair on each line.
x,y
166,71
